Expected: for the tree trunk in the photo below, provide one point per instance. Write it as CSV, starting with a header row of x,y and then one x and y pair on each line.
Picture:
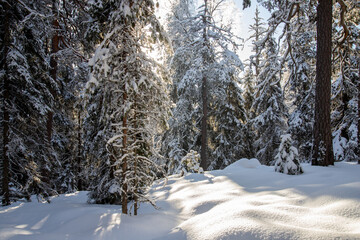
x,y
6,116
322,146
136,188
124,163
136,182
358,126
79,148
53,69
204,161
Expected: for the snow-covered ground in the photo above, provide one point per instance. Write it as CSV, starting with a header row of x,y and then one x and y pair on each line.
x,y
244,201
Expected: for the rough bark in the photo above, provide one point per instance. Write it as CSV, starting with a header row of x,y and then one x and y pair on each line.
x,y
204,140
322,146
6,116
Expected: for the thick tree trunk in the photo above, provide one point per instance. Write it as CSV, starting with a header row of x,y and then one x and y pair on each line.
x,y
204,138
322,146
6,116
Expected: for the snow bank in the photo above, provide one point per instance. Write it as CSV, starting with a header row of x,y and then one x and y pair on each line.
x,y
245,163
244,201
249,201
70,217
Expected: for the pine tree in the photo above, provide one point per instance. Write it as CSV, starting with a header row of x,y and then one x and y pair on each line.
x,y
270,110
26,156
287,159
130,90
300,89
184,126
344,89
203,87
257,31
322,152
227,117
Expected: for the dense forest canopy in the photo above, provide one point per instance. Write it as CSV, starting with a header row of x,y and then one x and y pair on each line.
x,y
102,95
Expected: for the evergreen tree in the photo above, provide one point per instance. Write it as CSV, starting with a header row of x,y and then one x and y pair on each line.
x,y
257,31
344,89
227,116
300,62
287,159
127,106
184,126
322,152
25,100
205,69
270,110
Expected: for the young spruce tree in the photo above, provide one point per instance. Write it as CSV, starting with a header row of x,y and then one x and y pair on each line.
x,y
128,105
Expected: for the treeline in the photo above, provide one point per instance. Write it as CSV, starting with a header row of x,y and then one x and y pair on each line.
x,y
86,105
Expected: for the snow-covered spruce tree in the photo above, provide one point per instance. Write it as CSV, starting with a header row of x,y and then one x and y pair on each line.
x,y
93,124
257,31
65,58
25,99
287,159
127,104
248,95
270,110
190,163
227,116
300,90
344,89
204,68
184,125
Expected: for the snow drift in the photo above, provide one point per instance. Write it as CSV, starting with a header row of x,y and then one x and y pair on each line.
x,y
244,201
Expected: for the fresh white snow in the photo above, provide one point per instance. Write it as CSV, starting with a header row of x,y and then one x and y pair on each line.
x,y
244,201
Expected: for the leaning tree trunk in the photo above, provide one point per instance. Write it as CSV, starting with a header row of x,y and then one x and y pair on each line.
x,y
204,138
322,146
5,104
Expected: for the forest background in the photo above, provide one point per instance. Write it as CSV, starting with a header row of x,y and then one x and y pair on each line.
x,y
101,95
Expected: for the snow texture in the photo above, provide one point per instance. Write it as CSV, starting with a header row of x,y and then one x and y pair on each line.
x,y
243,201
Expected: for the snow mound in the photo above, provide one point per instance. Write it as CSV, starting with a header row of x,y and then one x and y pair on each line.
x,y
244,163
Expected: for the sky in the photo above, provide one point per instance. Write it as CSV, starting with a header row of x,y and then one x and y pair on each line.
x,y
247,19
241,19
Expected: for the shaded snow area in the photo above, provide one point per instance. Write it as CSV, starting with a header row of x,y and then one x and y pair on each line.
x,y
244,201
